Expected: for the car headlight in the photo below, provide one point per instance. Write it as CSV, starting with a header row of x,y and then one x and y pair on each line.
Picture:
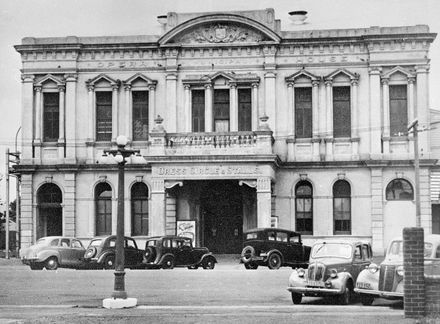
x,y
301,272
333,273
373,268
400,270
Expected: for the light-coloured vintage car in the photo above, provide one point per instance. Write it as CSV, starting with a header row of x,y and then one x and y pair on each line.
x,y
387,279
333,268
51,252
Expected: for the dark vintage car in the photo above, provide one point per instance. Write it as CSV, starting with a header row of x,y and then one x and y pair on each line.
x,y
171,251
273,247
333,269
387,279
51,252
101,253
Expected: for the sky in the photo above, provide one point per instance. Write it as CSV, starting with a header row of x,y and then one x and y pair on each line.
x,y
53,18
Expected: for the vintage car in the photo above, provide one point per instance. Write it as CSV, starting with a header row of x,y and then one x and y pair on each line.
x,y
101,253
51,252
333,268
387,279
273,247
171,251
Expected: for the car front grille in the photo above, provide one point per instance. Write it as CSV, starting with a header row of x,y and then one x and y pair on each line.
x,y
316,271
386,277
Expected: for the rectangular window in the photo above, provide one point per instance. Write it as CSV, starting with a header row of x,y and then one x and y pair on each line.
x,y
341,112
221,110
244,110
398,110
304,220
198,110
51,120
303,112
104,116
140,217
140,115
103,217
342,215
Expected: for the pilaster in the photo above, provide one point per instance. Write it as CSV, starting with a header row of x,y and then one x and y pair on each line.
x,y
151,105
375,115
270,98
27,116
386,115
115,111
61,137
171,103
69,228
422,75
27,217
264,202
128,113
157,222
187,107
255,106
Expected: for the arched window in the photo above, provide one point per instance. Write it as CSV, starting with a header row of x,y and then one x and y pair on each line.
x,y
304,207
103,203
342,207
50,213
139,209
399,189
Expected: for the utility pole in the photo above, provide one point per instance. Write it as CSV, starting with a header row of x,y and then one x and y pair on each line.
x,y
414,127
7,205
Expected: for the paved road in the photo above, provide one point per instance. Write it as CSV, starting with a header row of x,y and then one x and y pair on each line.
x,y
227,294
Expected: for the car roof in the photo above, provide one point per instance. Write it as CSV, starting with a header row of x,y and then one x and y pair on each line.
x,y
265,229
166,236
341,241
430,238
58,237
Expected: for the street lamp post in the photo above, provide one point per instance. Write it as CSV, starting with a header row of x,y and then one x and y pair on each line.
x,y
119,295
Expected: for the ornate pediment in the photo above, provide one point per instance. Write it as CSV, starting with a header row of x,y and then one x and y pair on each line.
x,y
217,33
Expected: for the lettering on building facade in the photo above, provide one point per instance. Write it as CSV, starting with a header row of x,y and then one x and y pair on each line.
x,y
207,171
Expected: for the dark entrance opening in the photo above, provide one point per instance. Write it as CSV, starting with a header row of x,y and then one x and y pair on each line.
x,y
221,206
50,212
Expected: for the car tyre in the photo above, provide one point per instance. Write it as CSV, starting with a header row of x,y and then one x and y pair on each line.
x,y
168,263
251,266
366,300
346,297
247,254
208,263
296,298
274,261
109,262
51,263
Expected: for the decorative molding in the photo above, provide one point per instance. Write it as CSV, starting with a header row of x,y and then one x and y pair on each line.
x,y
263,185
49,179
170,184
158,185
139,178
303,176
249,183
341,176
102,178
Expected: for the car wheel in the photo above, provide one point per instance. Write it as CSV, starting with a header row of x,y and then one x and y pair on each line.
x,y
168,263
109,262
208,263
51,263
346,297
90,253
247,254
296,298
366,300
150,254
274,261
251,266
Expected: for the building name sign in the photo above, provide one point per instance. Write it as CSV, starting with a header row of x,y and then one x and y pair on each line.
x,y
208,171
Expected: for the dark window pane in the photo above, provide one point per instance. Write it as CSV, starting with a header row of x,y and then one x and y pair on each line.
x,y
399,189
51,115
198,110
103,205
140,115
103,116
398,110
304,207
49,193
244,110
221,110
139,208
341,112
303,112
342,207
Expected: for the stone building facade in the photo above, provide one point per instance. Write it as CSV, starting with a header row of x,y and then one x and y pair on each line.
x,y
239,125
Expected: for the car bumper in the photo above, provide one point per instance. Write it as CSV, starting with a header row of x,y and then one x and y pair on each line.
x,y
378,293
31,261
315,291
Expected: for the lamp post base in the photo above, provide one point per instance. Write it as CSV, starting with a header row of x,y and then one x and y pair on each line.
x,y
118,303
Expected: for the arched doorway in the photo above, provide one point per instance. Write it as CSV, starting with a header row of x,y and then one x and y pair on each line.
x,y
50,212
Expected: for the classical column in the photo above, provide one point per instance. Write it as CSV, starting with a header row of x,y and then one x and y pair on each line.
x,y
38,114
375,115
151,106
233,108
70,118
128,113
422,86
61,136
386,115
264,202
208,108
27,116
187,107
171,103
354,117
255,107
411,111
315,119
92,121
270,98
158,207
115,111
329,125
291,109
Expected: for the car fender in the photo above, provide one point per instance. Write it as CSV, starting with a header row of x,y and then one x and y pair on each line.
x,y
102,257
340,282
277,252
46,254
164,256
296,281
209,254
368,279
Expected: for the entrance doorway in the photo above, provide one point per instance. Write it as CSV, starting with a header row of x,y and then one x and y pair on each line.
x,y
221,209
50,213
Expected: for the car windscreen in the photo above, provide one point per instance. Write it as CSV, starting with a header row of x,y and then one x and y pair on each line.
x,y
325,250
95,243
396,249
251,236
